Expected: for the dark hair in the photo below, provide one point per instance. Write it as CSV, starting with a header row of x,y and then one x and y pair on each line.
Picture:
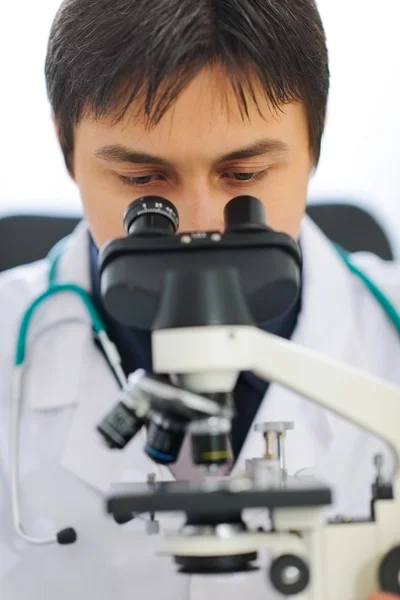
x,y
103,54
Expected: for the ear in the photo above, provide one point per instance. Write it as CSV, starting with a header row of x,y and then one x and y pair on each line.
x,y
56,128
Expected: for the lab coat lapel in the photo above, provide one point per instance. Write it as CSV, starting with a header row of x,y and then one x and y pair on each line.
x,y
328,325
60,333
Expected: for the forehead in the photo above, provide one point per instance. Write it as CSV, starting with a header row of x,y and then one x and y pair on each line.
x,y
207,114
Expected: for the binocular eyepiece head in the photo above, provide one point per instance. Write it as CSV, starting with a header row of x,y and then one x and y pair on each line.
x,y
153,215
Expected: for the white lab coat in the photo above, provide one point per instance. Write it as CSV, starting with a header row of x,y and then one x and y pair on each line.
x,y
65,471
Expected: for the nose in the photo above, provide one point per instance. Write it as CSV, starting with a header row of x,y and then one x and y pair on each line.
x,y
200,210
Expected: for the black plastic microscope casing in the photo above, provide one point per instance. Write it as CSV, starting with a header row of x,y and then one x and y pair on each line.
x,y
155,279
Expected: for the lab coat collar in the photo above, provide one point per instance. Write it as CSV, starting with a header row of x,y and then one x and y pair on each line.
x,y
328,297
74,260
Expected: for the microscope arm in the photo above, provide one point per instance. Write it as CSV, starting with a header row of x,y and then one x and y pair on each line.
x,y
210,359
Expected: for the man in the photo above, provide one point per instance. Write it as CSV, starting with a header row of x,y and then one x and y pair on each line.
x,y
197,101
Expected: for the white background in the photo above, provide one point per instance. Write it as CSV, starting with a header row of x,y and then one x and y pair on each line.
x,y
360,160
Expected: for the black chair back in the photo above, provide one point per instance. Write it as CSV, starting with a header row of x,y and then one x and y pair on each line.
x,y
351,227
28,238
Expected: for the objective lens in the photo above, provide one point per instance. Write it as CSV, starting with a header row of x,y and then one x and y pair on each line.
x,y
210,449
149,215
165,437
120,426
210,441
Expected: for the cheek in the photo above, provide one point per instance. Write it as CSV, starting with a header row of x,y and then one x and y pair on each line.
x,y
285,197
104,201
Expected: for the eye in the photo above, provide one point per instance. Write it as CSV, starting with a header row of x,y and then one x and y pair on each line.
x,y
242,176
140,180
245,177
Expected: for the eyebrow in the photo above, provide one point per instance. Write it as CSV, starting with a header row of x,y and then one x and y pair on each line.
x,y
258,148
122,154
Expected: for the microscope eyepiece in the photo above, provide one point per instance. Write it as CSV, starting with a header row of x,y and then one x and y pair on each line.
x,y
244,213
151,215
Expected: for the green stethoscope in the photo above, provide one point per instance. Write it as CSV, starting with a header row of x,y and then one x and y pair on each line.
x,y
389,309
68,536
65,536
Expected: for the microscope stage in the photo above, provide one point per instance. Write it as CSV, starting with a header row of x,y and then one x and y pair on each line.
x,y
216,497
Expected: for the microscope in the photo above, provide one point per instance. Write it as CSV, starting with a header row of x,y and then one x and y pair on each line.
x,y
201,295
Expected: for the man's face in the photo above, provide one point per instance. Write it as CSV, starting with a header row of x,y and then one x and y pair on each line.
x,y
200,155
